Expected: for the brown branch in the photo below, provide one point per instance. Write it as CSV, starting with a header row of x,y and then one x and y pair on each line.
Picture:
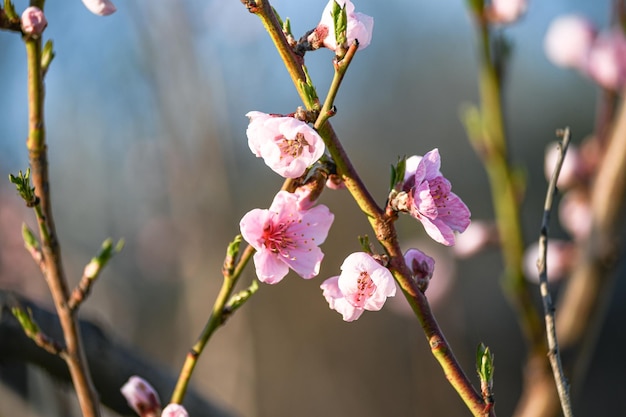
x,y
55,277
111,363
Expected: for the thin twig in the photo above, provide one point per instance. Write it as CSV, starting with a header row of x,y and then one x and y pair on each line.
x,y
553,353
216,319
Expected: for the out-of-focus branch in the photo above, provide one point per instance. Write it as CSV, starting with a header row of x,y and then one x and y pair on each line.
x,y
548,307
585,296
111,363
486,130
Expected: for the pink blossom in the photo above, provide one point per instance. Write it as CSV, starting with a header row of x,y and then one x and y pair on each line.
x,y
286,237
141,397
570,170
421,265
568,41
287,145
364,284
33,21
560,257
506,11
431,201
360,26
606,63
478,235
575,214
100,7
174,410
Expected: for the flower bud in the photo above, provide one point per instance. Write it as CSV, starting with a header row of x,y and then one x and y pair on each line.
x,y
33,22
141,397
174,410
506,11
100,7
421,265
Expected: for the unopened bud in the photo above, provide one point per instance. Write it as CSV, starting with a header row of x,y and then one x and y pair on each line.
x,y
100,7
174,410
33,22
141,397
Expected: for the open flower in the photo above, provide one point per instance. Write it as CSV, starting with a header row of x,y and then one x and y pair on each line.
x,y
286,237
360,27
364,284
431,201
287,145
141,397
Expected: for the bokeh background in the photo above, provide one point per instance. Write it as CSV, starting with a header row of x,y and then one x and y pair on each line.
x,y
146,129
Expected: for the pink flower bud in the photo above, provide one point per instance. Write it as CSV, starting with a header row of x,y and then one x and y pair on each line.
x,y
174,410
568,41
100,7
360,27
335,182
606,63
141,397
33,21
506,11
421,265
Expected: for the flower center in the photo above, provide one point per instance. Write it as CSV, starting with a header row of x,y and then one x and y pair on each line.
x,y
440,192
365,287
292,147
277,239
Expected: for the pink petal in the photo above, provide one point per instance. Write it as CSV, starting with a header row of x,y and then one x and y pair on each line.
x,y
431,163
438,231
269,268
455,213
252,225
425,203
100,7
337,302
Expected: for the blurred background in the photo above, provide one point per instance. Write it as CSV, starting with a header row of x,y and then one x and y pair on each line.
x,y
146,131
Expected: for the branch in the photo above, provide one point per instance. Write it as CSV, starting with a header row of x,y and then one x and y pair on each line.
x,y
111,363
380,222
553,346
55,277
